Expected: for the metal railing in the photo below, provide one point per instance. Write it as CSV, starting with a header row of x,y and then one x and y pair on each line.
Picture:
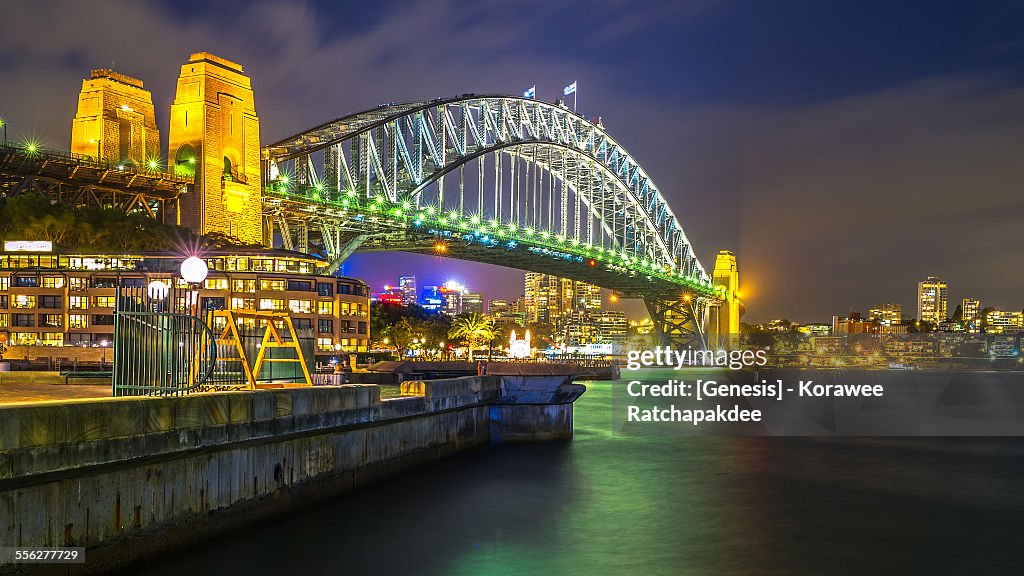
x,y
41,155
161,345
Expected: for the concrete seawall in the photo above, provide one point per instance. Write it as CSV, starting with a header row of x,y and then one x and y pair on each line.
x,y
128,477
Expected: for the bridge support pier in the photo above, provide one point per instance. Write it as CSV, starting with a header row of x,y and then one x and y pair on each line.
x,y
679,323
347,250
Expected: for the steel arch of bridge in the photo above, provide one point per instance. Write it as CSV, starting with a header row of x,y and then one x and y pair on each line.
x,y
546,180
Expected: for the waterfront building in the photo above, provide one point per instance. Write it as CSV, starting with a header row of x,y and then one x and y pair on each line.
x,y
852,324
1003,322
67,300
612,326
579,328
815,329
887,314
497,306
931,300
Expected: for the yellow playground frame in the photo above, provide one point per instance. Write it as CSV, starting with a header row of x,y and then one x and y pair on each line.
x,y
272,338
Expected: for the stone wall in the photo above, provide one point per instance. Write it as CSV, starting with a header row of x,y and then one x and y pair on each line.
x,y
97,473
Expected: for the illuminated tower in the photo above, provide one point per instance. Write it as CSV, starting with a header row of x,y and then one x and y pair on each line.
x,y
115,121
931,300
727,277
215,137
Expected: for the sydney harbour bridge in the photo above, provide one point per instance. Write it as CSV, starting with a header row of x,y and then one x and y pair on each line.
x,y
496,179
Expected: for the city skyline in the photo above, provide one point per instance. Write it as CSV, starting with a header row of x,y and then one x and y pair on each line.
x,y
767,150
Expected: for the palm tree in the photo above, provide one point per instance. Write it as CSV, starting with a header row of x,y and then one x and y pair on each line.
x,y
473,328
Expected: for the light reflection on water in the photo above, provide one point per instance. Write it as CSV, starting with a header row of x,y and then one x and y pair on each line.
x,y
611,504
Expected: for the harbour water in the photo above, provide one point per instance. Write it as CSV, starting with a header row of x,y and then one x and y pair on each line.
x,y
612,504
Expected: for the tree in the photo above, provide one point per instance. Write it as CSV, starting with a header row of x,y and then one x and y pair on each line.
x,y
472,328
542,334
402,334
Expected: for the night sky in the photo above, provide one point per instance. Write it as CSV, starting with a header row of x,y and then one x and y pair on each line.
x,y
844,150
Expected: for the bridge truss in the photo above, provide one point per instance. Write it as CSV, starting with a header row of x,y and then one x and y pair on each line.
x,y
81,181
504,180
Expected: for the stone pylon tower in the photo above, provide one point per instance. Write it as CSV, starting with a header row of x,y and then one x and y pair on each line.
x,y
724,321
215,137
115,121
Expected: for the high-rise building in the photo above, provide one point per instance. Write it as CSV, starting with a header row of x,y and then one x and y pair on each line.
x,y
115,121
407,284
431,299
472,302
931,300
587,296
578,328
970,308
887,314
452,292
550,298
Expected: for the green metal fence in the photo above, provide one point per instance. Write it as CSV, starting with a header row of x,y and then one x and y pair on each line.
x,y
162,347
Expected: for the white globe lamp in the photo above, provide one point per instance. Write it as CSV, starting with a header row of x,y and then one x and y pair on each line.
x,y
194,270
158,290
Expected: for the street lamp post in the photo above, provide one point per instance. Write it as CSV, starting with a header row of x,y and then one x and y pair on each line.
x,y
194,271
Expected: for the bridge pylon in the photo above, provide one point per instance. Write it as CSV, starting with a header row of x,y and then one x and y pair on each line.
x,y
214,137
680,323
724,316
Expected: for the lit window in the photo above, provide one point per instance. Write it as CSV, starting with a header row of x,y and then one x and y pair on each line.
x,y
325,344
78,283
53,281
78,320
53,339
23,301
104,301
78,302
275,304
5,282
243,303
51,320
5,320
216,284
243,286
325,307
24,338
300,306
272,284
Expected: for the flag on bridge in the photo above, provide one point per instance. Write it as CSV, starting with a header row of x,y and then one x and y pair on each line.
x,y
531,93
570,89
